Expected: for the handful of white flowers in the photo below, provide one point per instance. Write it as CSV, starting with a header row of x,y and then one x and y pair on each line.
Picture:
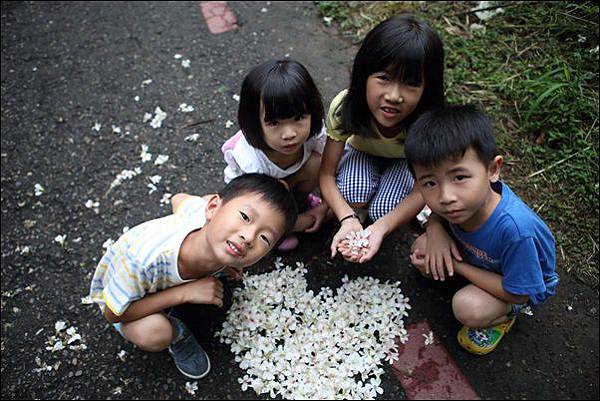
x,y
358,241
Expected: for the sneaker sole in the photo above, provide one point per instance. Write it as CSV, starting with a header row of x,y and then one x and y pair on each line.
x,y
196,377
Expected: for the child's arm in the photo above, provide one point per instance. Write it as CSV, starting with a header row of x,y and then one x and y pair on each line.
x,y
204,291
331,193
488,281
178,199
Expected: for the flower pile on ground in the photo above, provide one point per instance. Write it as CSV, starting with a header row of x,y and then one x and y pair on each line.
x,y
298,345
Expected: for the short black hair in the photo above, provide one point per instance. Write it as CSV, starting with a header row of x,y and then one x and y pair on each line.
x,y
448,133
270,189
286,90
411,52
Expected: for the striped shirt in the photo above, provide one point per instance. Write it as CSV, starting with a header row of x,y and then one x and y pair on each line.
x,y
144,260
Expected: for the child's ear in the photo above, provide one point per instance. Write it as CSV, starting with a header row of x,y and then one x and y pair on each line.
x,y
214,204
494,168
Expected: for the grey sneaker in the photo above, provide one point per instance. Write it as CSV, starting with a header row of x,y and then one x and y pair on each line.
x,y
189,356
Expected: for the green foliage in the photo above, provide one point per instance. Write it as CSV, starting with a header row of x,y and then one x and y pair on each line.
x,y
534,68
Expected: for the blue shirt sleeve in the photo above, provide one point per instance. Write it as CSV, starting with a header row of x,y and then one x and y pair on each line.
x,y
522,272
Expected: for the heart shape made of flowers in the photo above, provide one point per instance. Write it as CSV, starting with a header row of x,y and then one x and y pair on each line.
x,y
298,345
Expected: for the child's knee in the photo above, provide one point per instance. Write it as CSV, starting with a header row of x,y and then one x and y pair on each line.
x,y
469,311
152,335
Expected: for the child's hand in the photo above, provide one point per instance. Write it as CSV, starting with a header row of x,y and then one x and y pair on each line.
x,y
346,252
204,291
319,213
347,227
304,222
439,252
417,259
376,236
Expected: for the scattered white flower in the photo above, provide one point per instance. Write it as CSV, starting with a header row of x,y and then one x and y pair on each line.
x,y
90,204
263,10
192,138
152,187
527,310
228,124
117,390
177,56
124,175
137,98
146,157
185,108
159,117
87,300
147,117
43,367
78,239
166,198
155,179
236,97
191,387
24,250
60,239
38,189
122,354
428,338
186,63
161,159
146,82
116,130
73,338
108,243
56,346
327,20
97,127
59,326
294,344
581,38
569,308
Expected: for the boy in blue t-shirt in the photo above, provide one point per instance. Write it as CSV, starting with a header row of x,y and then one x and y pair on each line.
x,y
503,248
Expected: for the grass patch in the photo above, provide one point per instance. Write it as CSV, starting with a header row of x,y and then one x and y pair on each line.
x,y
534,68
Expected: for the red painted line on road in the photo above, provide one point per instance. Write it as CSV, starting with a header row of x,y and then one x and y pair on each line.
x,y
218,16
428,372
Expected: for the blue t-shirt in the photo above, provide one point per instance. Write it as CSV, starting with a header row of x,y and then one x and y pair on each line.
x,y
516,244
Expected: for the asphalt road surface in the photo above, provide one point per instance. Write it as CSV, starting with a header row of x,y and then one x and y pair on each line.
x,y
70,67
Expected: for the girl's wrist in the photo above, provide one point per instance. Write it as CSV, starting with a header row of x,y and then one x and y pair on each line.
x,y
384,226
348,217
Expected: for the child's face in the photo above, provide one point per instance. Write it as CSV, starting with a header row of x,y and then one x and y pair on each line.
x,y
285,136
243,230
391,101
459,190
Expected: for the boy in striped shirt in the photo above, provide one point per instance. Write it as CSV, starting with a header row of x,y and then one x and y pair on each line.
x,y
171,261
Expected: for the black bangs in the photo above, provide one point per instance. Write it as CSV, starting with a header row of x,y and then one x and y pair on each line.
x,y
285,96
402,55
